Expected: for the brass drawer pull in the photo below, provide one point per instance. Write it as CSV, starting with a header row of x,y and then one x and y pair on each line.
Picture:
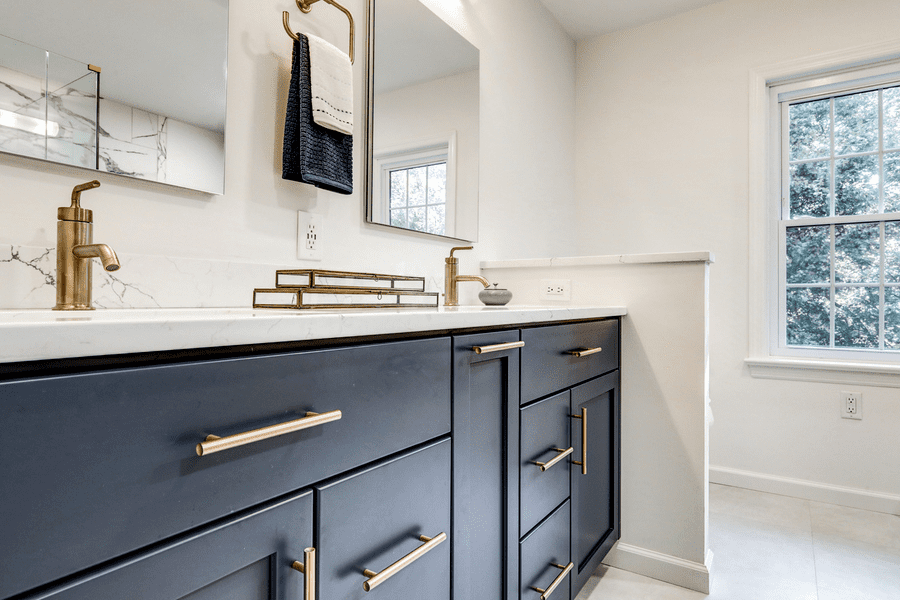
x,y
562,454
583,461
214,443
565,571
585,352
309,573
498,347
376,579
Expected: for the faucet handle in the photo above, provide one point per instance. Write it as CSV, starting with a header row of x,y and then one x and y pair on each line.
x,y
75,212
452,259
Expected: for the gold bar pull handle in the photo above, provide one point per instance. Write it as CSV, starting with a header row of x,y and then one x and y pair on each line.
x,y
498,347
584,352
214,443
376,579
584,438
565,571
562,454
308,569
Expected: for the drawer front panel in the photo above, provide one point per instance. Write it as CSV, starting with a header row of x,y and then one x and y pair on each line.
x,y
104,463
370,520
545,547
548,366
248,557
545,428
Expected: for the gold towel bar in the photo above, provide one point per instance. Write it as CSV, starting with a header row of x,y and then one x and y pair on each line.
x,y
305,6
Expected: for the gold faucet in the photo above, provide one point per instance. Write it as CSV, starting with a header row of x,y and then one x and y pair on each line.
x,y
74,251
452,278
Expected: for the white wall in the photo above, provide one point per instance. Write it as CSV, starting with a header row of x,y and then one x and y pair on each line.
x,y
527,65
664,429
662,148
432,111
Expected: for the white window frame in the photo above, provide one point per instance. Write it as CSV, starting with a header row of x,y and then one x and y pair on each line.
x,y
410,154
768,358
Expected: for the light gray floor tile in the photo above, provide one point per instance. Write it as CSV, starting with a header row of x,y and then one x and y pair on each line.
x,y
758,560
770,547
783,511
878,529
609,583
851,570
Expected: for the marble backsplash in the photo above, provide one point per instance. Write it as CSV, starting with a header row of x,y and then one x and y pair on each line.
x,y
28,281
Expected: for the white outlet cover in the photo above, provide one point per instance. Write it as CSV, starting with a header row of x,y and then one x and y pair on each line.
x,y
556,290
309,224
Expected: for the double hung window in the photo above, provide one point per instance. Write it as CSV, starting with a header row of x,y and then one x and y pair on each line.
x,y
839,217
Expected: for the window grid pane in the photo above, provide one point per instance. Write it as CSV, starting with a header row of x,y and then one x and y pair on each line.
x,y
842,281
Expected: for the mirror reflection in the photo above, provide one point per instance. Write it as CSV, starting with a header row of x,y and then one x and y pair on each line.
x,y
161,78
423,170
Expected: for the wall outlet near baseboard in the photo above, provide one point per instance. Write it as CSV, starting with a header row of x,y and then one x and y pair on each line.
x,y
851,405
309,236
556,289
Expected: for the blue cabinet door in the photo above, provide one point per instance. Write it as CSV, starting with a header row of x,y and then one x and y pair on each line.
x,y
485,468
595,493
248,557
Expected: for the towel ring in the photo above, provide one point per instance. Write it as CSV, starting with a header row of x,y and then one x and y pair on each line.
x,y
305,6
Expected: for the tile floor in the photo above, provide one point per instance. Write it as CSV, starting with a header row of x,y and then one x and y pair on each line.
x,y
769,547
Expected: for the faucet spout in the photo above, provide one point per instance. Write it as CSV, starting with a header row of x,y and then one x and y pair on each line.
x,y
477,278
106,255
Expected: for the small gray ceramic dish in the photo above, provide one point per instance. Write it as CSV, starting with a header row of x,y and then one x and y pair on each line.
x,y
495,296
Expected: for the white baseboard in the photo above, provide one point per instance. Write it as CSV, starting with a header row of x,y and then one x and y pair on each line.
x,y
808,490
664,567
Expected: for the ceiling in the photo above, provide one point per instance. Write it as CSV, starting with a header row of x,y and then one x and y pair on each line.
x,y
589,18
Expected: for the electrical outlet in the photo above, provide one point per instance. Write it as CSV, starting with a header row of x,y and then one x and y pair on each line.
x,y
851,405
309,236
556,289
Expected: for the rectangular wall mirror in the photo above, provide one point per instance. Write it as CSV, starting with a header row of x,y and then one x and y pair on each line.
x,y
161,77
422,122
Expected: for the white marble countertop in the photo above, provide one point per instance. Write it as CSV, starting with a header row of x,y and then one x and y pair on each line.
x,y
44,334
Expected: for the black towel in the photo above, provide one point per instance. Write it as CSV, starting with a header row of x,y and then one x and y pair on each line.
x,y
313,154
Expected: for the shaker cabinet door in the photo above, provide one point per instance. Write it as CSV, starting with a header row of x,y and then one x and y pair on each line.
x,y
383,533
595,484
485,467
249,557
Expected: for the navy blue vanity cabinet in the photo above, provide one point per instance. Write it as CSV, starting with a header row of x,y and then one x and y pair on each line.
x,y
99,464
546,567
545,440
556,357
249,557
595,489
371,520
485,467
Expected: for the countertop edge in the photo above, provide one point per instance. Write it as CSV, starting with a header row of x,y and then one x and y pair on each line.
x,y
37,335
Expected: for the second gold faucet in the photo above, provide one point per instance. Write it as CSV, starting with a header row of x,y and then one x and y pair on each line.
x,y
452,278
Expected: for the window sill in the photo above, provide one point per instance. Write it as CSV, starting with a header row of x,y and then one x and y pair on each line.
x,y
825,371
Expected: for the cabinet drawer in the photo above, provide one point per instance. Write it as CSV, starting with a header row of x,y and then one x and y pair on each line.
x,y
545,432
100,464
370,520
248,557
548,364
545,558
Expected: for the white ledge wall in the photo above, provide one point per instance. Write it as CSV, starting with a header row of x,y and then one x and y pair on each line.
x,y
664,397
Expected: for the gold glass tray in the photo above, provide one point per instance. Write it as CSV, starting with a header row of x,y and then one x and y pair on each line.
x,y
316,288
